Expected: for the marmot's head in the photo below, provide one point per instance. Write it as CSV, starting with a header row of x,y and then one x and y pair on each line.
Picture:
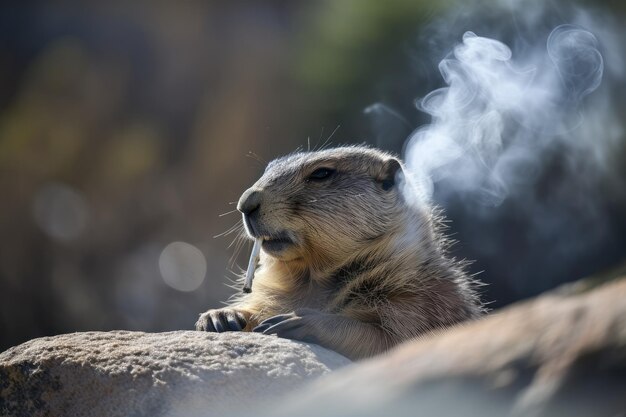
x,y
321,206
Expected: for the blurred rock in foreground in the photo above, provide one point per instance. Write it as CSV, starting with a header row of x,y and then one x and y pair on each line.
x,y
561,354
181,373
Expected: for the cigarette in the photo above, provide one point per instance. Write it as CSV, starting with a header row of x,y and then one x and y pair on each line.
x,y
254,258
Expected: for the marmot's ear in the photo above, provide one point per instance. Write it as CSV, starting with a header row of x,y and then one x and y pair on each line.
x,y
388,172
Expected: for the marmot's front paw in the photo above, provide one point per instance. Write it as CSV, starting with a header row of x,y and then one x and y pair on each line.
x,y
221,320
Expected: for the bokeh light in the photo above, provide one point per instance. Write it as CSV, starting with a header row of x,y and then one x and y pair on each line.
x,y
183,266
60,211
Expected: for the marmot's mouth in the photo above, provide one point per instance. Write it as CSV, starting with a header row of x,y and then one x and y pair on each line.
x,y
276,243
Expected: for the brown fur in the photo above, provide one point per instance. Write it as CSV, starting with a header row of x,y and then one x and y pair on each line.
x,y
366,270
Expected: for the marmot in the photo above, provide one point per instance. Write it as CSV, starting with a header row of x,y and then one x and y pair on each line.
x,y
347,261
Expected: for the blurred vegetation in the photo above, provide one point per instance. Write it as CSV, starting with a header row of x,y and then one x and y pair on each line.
x,y
127,126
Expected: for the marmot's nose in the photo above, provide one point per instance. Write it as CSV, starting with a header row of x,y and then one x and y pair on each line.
x,y
249,202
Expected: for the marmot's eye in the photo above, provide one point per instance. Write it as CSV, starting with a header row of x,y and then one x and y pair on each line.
x,y
321,174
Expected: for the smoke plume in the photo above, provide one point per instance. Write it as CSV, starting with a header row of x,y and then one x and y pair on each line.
x,y
523,145
499,114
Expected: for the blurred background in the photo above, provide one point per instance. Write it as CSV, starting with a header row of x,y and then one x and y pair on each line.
x,y
128,130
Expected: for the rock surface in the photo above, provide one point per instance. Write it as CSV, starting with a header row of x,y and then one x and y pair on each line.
x,y
181,373
562,354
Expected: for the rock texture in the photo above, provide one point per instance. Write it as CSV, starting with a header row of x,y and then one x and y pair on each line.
x,y
562,354
180,373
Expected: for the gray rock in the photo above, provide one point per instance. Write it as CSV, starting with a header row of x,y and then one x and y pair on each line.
x,y
181,373
561,354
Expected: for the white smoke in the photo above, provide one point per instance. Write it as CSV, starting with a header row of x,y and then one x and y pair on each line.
x,y
525,144
500,114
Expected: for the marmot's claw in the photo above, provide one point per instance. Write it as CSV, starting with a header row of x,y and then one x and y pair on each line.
x,y
261,328
204,323
221,320
299,325
272,321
